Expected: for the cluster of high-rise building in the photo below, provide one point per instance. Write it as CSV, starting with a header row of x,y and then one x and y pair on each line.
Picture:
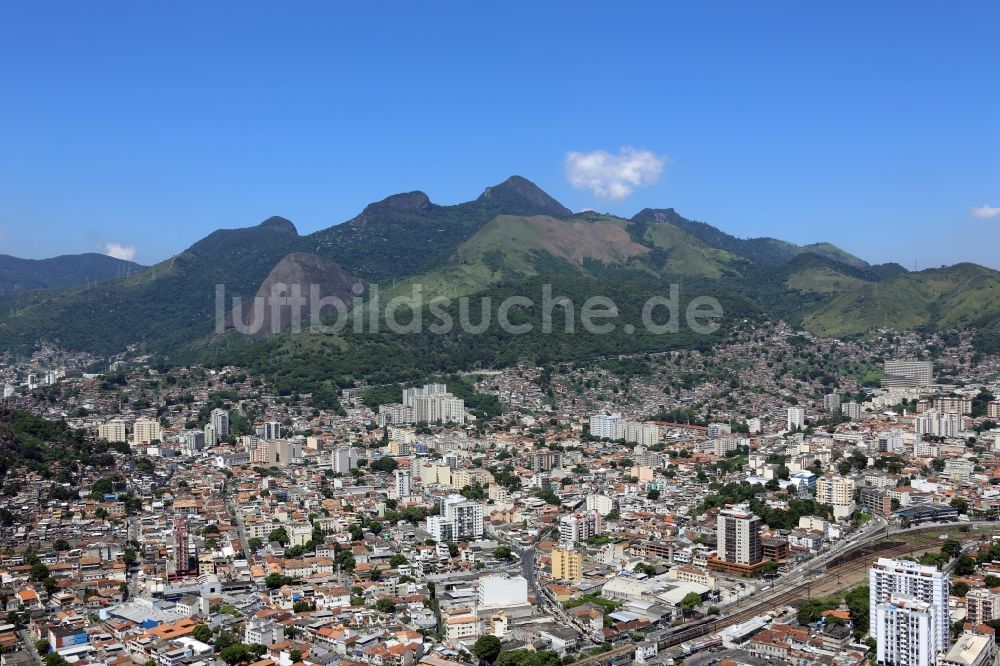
x,y
460,518
939,424
431,403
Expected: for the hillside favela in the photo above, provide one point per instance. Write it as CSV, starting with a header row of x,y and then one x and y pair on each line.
x,y
533,334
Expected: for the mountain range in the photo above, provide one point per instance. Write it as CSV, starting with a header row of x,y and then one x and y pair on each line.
x,y
511,237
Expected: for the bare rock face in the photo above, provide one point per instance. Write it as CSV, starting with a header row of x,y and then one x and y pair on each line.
x,y
300,288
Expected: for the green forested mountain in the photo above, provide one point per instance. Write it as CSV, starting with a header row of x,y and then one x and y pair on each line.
x,y
68,270
512,237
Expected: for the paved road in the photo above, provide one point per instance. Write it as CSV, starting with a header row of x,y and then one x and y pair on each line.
x,y
237,519
29,645
132,575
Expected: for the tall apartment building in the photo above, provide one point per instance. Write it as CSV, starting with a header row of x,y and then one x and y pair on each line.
x,y
410,395
220,421
192,441
112,431
737,533
796,418
982,605
567,564
145,431
605,426
838,491
277,452
210,437
831,402
959,469
908,373
851,410
343,459
613,426
546,460
993,409
577,527
876,501
906,632
269,430
401,486
901,579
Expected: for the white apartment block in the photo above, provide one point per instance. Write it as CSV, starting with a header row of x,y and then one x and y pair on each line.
x,y
602,504
220,421
397,413
958,469
460,518
933,422
851,410
401,484
902,579
906,632
578,527
442,407
838,492
982,605
269,430
343,459
605,426
796,418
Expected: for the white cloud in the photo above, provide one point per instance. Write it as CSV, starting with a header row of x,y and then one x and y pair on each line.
x,y
985,211
119,251
613,176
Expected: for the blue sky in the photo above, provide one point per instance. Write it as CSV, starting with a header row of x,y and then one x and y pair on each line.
x,y
147,125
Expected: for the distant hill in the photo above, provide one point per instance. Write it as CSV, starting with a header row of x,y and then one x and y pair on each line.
x,y
959,296
68,270
159,309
